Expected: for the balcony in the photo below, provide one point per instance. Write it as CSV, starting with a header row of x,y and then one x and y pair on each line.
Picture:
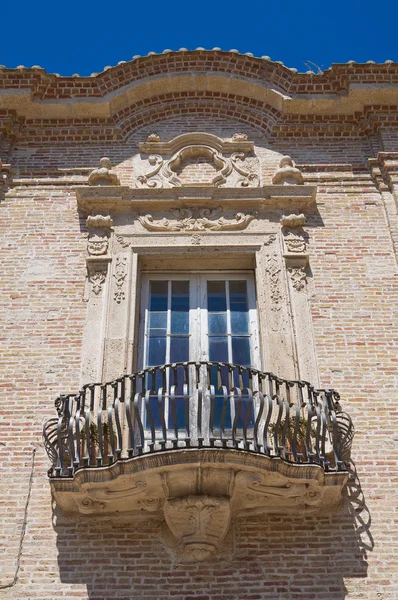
x,y
199,443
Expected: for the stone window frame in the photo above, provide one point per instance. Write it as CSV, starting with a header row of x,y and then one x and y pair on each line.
x,y
178,227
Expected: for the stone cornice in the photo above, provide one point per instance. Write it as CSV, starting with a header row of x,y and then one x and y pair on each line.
x,y
341,90
122,198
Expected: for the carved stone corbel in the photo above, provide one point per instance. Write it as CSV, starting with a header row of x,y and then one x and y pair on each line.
x,y
295,241
98,240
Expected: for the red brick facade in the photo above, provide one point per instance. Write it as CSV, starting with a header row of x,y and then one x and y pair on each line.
x,y
341,129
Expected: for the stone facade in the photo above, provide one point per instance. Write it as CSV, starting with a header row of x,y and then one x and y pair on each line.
x,y
200,161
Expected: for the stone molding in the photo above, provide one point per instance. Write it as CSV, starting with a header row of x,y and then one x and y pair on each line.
x,y
111,199
236,144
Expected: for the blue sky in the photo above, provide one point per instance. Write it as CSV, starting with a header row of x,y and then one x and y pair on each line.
x,y
84,36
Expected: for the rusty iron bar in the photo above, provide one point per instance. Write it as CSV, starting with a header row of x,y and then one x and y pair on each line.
x,y
197,405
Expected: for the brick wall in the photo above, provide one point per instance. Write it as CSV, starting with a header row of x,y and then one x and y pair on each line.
x,y
347,554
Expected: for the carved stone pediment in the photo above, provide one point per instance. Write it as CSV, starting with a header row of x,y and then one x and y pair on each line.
x,y
198,158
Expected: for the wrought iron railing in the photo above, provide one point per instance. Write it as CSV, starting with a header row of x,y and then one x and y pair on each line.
x,y
197,405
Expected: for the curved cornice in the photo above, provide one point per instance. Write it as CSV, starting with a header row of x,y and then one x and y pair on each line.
x,y
341,90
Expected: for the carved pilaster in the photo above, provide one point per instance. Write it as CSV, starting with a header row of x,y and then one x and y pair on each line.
x,y
273,308
96,298
296,260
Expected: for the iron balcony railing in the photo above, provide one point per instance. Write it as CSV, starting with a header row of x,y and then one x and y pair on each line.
x,y
197,405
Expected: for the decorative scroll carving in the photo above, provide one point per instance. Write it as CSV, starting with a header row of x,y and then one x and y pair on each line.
x,y
195,146
148,180
123,242
269,240
245,168
99,222
97,279
199,523
298,277
287,173
97,244
104,175
120,275
238,136
194,219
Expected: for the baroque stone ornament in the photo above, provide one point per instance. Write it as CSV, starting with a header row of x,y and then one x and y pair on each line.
x,y
238,136
273,269
298,277
153,137
197,219
293,233
199,524
195,239
120,275
287,173
97,245
104,175
292,221
97,279
123,241
295,243
230,160
99,222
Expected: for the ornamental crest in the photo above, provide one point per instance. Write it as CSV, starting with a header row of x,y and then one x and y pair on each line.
x,y
198,159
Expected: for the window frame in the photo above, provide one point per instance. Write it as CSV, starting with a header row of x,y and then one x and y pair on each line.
x,y
198,314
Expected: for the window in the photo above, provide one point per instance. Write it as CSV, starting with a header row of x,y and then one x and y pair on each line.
x,y
198,317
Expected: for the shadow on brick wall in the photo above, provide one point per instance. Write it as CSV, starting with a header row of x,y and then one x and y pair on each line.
x,y
274,557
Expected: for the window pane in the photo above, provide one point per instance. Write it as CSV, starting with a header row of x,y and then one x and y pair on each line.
x,y
239,321
180,322
179,349
156,351
158,321
216,298
218,349
238,292
217,323
241,350
158,296
180,307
